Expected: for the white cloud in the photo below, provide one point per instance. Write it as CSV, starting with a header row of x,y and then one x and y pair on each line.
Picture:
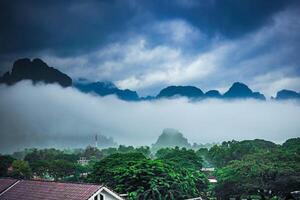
x,y
140,64
50,116
272,82
137,65
178,70
178,30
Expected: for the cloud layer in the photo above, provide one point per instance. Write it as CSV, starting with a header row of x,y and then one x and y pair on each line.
x,y
48,115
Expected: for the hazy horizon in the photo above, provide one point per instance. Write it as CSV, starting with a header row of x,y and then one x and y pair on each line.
x,y
51,116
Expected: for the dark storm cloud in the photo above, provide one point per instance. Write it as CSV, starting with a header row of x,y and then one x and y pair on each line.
x,y
147,45
61,26
229,18
68,27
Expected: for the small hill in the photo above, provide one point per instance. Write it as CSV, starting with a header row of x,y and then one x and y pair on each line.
x,y
180,91
171,138
287,94
213,94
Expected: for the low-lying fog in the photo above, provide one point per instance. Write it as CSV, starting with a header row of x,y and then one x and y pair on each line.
x,y
51,116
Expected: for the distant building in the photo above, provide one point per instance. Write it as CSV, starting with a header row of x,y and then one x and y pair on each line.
x,y
10,169
209,172
12,189
208,169
197,198
212,180
83,161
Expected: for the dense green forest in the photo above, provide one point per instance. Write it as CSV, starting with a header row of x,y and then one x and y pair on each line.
x,y
249,169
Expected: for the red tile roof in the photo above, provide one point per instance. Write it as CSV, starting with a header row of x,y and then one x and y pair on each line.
x,y
5,183
37,190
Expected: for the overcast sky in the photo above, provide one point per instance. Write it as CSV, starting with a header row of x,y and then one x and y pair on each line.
x,y
147,45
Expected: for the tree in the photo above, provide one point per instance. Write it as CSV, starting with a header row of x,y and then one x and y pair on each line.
x,y
145,150
104,170
5,162
266,174
125,149
49,155
144,178
220,155
52,162
40,168
21,169
292,144
90,152
109,151
181,157
60,169
203,153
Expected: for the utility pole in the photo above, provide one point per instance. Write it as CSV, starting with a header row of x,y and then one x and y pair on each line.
x,y
96,141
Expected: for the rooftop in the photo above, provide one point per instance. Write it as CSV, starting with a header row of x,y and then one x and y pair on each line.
x,y
36,190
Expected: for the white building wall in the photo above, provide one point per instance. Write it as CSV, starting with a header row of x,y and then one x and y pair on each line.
x,y
108,195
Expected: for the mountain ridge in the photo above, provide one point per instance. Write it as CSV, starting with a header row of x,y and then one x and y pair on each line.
x,y
38,71
106,88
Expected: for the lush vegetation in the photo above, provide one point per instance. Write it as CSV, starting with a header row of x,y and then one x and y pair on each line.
x,y
146,178
257,168
247,169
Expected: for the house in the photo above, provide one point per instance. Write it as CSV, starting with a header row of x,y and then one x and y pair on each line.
x,y
83,161
212,180
208,169
13,189
209,172
197,198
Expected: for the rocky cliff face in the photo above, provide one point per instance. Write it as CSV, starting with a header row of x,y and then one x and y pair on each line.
x,y
35,70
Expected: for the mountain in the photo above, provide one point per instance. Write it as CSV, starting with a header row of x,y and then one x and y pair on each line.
x,y
106,88
287,94
35,70
236,91
38,71
213,94
105,142
171,138
183,91
241,91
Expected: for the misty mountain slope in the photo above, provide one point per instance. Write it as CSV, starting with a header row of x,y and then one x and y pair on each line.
x,y
241,90
106,88
287,95
35,70
171,138
236,91
213,94
184,91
